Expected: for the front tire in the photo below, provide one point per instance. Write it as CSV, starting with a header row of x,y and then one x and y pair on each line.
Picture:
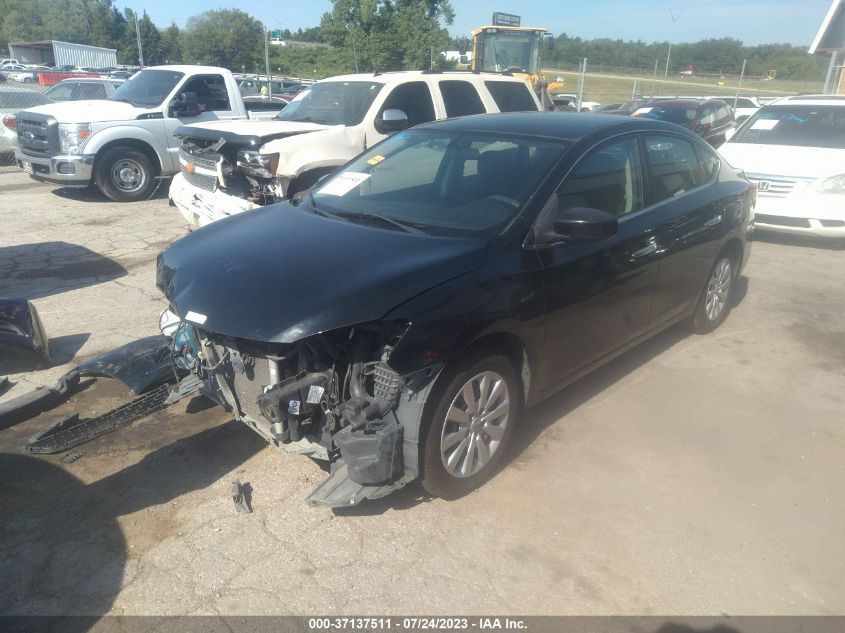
x,y
469,428
715,302
125,174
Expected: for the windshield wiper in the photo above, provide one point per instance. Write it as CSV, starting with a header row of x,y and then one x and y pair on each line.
x,y
405,226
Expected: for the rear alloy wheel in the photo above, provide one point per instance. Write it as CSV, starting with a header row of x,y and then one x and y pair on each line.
x,y
125,174
470,427
715,304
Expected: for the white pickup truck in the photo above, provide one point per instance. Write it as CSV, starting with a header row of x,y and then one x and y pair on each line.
x,y
125,143
232,166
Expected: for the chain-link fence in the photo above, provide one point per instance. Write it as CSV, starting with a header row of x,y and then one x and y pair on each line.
x,y
14,97
615,84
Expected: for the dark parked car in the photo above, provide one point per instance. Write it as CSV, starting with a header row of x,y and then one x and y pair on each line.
x,y
398,318
710,119
628,107
83,89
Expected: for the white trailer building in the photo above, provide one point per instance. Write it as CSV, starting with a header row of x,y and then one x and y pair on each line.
x,y
55,53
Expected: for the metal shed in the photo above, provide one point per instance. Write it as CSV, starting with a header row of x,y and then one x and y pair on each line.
x,y
55,53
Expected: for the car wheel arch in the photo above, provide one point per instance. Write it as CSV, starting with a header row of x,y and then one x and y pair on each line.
x,y
136,144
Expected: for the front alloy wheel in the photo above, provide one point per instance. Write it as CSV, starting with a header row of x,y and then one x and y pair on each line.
x,y
469,420
475,424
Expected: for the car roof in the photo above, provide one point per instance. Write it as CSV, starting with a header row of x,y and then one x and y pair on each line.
x,y
187,68
678,103
564,126
91,80
835,100
399,76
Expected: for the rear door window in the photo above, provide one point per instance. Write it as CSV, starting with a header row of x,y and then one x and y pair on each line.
x,y
460,98
414,99
511,96
89,91
673,166
608,179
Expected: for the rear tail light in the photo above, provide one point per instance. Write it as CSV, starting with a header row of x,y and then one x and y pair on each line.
x,y
10,122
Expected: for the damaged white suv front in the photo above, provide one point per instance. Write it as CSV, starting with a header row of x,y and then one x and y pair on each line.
x,y
231,167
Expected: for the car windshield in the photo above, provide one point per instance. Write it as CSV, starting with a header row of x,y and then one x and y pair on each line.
x,y
22,99
147,88
797,125
332,103
679,116
516,51
443,183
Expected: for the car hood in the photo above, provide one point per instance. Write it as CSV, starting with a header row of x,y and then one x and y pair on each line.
x,y
99,110
784,160
282,273
261,128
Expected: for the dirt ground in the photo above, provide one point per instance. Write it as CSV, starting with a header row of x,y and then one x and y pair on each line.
x,y
694,475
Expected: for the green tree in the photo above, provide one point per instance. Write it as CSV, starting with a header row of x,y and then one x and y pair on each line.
x,y
388,34
225,37
171,44
127,49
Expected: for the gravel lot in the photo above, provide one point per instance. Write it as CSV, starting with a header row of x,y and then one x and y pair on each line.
x,y
694,475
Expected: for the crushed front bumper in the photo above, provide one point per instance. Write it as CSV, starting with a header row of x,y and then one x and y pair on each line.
x,y
69,171
200,207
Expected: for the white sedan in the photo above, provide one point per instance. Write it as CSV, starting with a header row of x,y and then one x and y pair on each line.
x,y
794,150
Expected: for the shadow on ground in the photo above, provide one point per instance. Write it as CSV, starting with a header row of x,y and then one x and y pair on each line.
x,y
92,194
31,271
63,550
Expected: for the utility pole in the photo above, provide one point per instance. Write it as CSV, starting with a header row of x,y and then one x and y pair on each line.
x,y
741,77
267,62
138,36
830,68
668,55
582,75
654,78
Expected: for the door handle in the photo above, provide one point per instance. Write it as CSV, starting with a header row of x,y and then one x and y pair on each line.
x,y
648,249
713,221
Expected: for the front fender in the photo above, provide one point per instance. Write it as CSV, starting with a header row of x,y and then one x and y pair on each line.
x,y
325,148
97,141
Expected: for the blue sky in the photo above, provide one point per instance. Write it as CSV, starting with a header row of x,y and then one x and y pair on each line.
x,y
753,22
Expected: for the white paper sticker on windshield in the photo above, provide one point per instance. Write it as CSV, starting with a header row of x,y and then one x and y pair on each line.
x,y
765,124
343,183
643,111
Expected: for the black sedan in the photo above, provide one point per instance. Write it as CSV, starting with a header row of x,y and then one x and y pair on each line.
x,y
398,318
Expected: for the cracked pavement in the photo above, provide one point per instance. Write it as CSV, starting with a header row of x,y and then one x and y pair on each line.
x,y
694,475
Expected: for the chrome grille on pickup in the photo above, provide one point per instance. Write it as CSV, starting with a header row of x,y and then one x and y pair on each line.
x,y
206,162
777,186
248,384
38,134
208,183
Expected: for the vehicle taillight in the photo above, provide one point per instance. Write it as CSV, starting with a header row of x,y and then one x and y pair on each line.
x,y
10,122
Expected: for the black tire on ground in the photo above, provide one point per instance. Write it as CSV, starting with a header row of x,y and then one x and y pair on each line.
x,y
718,288
435,478
125,174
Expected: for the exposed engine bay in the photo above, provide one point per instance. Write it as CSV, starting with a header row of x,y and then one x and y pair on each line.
x,y
332,396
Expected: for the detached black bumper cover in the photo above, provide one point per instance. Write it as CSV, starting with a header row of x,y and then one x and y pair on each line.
x,y
140,365
21,330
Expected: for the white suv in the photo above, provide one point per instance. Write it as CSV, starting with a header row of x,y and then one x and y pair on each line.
x,y
234,166
794,150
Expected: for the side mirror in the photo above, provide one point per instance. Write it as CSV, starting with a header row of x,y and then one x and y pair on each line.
x,y
549,42
391,121
583,224
185,105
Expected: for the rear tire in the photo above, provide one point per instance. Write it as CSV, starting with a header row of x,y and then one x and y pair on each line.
x,y
125,174
468,429
716,300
